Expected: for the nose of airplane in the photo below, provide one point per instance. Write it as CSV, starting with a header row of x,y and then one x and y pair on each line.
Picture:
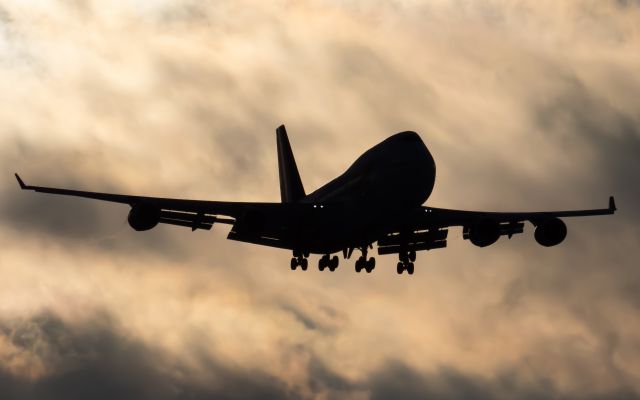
x,y
407,136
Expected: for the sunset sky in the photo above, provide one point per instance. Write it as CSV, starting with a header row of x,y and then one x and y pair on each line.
x,y
526,105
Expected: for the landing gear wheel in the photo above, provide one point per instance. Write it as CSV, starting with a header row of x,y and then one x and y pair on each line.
x,y
299,260
371,264
410,268
364,263
400,267
334,263
412,256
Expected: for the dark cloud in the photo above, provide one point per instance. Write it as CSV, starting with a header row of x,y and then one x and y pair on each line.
x,y
323,379
82,222
59,216
93,360
576,116
398,381
627,3
301,317
76,221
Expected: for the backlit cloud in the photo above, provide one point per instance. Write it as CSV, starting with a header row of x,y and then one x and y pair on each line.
x,y
525,105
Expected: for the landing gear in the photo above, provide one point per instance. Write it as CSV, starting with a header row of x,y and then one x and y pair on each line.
x,y
405,267
299,260
406,262
364,263
326,262
367,265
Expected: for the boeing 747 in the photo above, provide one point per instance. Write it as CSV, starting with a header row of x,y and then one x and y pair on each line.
x,y
378,200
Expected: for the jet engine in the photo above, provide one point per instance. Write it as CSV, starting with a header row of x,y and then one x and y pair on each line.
x,y
484,233
143,217
550,232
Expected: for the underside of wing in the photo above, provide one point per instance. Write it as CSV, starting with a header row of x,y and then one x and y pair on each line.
x,y
147,212
427,228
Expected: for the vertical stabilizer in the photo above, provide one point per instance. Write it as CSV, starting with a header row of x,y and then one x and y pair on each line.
x,y
291,189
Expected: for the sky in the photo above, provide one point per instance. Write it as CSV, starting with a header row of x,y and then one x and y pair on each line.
x,y
525,105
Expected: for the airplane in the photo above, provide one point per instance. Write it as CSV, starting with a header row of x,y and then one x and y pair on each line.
x,y
378,199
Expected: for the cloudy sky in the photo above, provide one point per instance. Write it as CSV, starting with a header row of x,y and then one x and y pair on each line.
x,y
525,105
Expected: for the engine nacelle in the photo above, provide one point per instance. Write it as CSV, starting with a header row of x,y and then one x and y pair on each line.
x,y
550,232
484,233
143,217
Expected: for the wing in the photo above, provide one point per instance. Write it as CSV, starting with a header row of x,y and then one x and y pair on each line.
x,y
196,214
445,217
428,228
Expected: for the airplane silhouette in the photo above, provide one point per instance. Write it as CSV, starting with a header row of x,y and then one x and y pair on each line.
x,y
378,199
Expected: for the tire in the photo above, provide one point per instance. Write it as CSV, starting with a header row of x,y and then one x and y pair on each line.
x,y
371,264
410,268
304,264
294,264
334,263
400,267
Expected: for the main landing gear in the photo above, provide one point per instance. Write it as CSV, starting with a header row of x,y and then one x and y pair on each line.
x,y
327,262
364,263
406,262
299,260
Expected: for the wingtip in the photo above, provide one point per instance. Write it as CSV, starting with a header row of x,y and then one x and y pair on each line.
x,y
281,129
612,204
20,182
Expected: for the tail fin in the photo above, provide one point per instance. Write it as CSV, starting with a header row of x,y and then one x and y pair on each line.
x,y
291,189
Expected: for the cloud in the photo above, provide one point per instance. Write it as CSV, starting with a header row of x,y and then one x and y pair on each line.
x,y
396,380
92,359
525,105
580,115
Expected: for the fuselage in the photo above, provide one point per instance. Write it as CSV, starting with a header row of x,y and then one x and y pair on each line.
x,y
397,173
386,183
